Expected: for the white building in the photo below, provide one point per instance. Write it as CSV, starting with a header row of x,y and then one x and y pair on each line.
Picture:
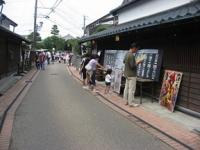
x,y
134,9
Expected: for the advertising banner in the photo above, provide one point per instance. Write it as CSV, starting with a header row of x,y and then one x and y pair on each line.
x,y
170,88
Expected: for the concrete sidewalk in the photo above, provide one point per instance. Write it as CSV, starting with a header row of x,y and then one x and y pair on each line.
x,y
177,125
10,88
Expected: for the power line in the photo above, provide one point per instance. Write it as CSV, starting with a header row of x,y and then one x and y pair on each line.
x,y
41,3
75,18
67,29
67,20
54,7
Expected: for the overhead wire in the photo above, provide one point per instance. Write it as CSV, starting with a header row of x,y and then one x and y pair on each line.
x,y
54,7
67,20
67,29
41,3
69,15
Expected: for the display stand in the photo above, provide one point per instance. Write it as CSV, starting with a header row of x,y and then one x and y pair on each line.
x,y
141,83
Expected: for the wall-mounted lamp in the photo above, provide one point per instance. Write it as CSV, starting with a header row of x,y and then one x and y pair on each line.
x,y
117,38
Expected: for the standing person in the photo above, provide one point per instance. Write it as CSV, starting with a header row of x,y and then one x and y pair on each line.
x,y
130,75
42,60
70,59
37,63
108,79
67,58
48,55
52,57
64,58
84,62
91,71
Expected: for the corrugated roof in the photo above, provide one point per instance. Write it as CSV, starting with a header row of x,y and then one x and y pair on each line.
x,y
180,13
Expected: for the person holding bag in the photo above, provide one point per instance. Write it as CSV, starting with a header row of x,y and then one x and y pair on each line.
x,y
91,71
83,69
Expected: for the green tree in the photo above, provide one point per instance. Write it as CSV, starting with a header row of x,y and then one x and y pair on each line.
x,y
73,45
39,45
54,30
38,37
53,42
101,27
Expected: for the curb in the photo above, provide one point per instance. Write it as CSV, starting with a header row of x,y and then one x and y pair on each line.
x,y
9,111
176,146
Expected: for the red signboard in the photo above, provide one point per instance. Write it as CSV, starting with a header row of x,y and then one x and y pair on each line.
x,y
170,88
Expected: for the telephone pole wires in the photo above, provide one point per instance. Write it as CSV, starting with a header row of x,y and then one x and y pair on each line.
x,y
84,24
35,26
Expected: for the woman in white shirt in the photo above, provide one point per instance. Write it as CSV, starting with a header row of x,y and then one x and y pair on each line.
x,y
91,70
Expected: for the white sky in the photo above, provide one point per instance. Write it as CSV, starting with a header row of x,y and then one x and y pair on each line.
x,y
68,15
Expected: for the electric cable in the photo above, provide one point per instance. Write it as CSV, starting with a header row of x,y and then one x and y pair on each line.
x,y
67,20
67,29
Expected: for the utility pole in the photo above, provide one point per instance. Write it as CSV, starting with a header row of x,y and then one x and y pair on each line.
x,y
35,26
84,20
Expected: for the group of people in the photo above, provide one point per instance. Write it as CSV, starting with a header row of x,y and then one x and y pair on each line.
x,y
65,57
90,64
43,58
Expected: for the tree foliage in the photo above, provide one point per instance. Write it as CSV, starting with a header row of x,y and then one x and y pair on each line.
x,y
101,27
38,37
54,30
54,42
73,46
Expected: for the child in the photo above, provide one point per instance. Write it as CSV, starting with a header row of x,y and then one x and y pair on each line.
x,y
108,80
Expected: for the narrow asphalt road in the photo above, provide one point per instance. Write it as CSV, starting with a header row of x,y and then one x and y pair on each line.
x,y
57,114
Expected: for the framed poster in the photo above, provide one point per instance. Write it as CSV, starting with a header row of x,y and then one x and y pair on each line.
x,y
109,58
119,59
170,88
151,64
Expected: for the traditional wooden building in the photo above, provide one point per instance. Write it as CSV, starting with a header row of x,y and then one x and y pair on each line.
x,y
10,47
171,26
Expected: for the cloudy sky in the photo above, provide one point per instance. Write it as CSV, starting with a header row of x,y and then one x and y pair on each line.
x,y
68,15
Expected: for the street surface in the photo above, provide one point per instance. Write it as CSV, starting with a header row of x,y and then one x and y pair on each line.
x,y
58,114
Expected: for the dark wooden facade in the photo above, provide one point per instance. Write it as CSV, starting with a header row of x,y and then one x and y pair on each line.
x,y
10,52
181,45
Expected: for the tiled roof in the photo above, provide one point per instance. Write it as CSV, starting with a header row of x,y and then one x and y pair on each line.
x,y
4,17
187,11
124,4
10,33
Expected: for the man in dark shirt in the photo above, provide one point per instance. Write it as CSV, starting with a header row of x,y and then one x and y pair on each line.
x,y
130,74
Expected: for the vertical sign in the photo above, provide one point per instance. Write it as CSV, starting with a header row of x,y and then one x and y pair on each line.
x,y
117,80
151,64
170,88
109,58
